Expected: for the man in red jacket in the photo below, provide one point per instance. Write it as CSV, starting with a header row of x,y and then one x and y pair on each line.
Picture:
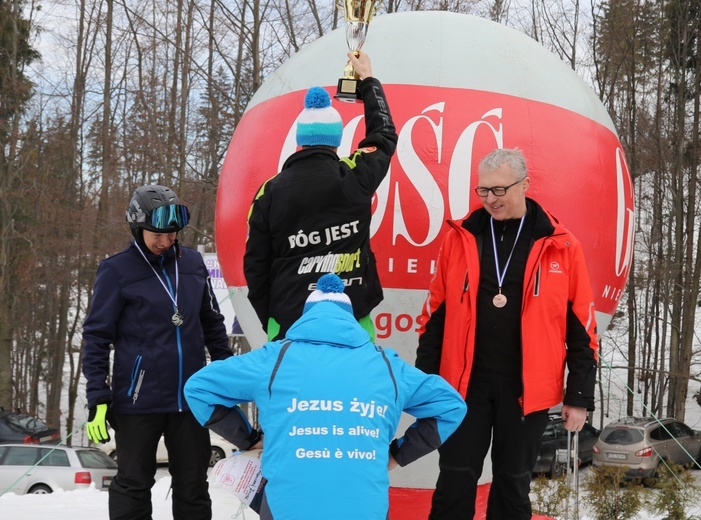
x,y
509,306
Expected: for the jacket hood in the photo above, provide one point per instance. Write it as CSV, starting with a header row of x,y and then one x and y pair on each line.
x,y
328,323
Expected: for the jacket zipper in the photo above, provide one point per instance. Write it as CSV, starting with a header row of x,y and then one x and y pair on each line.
x,y
180,348
465,287
134,372
536,292
142,373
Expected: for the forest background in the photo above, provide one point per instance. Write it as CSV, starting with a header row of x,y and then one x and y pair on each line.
x,y
100,96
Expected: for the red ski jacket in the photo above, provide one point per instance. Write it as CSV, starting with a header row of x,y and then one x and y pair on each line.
x,y
558,324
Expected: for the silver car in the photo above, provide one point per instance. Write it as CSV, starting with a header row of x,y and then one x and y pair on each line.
x,y
641,445
27,468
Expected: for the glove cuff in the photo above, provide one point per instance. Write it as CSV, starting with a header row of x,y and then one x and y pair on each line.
x,y
254,438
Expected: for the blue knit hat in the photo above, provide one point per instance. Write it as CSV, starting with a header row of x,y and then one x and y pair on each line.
x,y
319,123
329,288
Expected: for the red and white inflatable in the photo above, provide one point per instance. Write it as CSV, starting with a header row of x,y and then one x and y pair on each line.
x,y
458,86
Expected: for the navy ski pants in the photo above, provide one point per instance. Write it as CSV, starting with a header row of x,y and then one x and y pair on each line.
x,y
494,416
188,460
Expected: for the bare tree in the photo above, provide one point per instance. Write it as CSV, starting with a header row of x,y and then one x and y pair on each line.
x,y
15,92
684,26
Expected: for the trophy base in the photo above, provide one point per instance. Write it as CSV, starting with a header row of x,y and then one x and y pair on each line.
x,y
347,90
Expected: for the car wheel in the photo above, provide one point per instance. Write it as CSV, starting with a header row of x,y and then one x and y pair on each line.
x,y
557,469
216,455
40,489
653,480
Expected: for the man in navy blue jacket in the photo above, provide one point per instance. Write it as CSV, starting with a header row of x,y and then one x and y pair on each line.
x,y
153,304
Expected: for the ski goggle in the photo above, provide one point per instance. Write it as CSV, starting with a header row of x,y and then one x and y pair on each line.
x,y
168,217
172,217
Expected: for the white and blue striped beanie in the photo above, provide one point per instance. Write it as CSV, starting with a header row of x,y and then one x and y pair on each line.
x,y
329,288
319,123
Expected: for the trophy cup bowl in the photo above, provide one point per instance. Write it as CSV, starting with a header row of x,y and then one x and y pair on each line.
x,y
356,15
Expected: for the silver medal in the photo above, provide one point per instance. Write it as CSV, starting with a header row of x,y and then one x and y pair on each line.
x,y
177,319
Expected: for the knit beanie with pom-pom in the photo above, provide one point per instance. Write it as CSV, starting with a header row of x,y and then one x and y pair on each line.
x,y
319,123
329,288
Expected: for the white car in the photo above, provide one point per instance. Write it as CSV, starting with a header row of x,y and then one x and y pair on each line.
x,y
221,448
30,468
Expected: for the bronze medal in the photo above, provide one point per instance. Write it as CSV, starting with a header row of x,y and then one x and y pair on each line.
x,y
499,300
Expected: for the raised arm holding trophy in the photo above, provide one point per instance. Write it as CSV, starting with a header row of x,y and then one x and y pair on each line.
x,y
357,15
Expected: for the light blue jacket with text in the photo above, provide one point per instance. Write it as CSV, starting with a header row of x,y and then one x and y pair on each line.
x,y
329,404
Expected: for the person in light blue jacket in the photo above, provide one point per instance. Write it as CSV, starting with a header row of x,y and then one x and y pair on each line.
x,y
329,402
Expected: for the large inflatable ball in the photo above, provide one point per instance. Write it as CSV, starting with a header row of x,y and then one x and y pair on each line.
x,y
458,87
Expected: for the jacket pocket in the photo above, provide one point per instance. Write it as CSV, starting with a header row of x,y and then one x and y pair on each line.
x,y
137,378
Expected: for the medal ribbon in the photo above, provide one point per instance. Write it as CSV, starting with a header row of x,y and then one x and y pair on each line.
x,y
501,275
170,295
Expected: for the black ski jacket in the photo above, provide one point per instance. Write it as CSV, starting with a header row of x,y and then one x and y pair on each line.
x,y
314,218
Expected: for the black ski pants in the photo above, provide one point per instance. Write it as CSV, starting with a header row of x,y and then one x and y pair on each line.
x,y
188,460
494,416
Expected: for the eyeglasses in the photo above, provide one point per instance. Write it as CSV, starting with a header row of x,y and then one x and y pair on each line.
x,y
498,191
173,215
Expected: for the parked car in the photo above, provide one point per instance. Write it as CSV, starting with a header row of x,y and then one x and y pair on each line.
x,y
555,438
221,448
59,467
642,443
23,428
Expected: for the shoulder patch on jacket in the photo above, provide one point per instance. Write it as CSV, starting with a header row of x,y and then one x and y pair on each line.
x,y
350,161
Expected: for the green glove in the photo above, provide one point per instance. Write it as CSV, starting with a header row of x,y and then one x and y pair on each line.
x,y
97,424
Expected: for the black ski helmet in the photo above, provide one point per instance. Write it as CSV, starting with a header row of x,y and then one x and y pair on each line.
x,y
144,212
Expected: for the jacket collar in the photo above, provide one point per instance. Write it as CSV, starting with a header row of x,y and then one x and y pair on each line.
x,y
166,257
544,225
309,151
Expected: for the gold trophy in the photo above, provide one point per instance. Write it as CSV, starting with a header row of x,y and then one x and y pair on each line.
x,y
357,15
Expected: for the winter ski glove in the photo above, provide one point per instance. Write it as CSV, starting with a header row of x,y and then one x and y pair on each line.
x,y
97,424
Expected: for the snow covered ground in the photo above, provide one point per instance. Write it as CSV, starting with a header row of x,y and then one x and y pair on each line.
x,y
69,505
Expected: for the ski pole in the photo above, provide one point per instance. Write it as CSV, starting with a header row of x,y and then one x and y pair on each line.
x,y
572,475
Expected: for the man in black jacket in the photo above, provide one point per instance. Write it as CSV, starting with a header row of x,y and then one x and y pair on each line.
x,y
314,216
